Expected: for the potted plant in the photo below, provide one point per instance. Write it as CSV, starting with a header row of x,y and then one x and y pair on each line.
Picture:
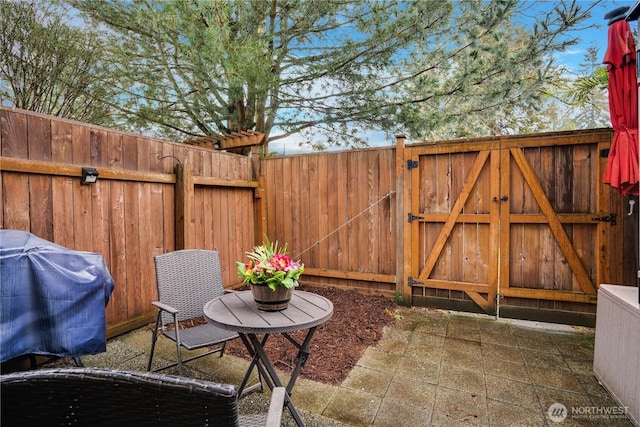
x,y
271,275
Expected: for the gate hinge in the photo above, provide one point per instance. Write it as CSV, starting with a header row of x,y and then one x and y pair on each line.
x,y
411,217
412,164
411,281
608,218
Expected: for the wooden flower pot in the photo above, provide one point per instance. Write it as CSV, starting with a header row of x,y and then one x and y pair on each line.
x,y
269,300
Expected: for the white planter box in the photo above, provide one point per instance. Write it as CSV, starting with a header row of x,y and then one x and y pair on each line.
x,y
616,362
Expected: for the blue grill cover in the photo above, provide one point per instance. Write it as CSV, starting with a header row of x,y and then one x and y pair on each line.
x,y
52,299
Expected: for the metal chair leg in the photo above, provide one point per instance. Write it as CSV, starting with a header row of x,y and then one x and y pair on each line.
x,y
178,347
154,338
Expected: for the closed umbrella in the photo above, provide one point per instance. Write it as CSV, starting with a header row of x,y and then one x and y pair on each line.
x,y
621,171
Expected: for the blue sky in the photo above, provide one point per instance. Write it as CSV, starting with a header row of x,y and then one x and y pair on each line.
x,y
598,36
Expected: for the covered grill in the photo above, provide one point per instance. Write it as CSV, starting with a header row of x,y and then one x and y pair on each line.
x,y
52,299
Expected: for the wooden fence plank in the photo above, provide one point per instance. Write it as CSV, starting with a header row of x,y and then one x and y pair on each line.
x,y
16,210
135,302
40,208
62,204
118,309
14,135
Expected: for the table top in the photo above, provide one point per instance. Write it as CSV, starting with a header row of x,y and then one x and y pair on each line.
x,y
237,311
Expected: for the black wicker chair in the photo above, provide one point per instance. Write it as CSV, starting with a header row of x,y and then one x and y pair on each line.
x,y
86,397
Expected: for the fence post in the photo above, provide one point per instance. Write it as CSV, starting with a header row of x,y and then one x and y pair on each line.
x,y
260,210
184,206
403,242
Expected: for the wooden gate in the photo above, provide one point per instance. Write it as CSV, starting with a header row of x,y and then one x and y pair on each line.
x,y
517,225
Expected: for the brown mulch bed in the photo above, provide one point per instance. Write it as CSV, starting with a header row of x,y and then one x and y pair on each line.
x,y
338,344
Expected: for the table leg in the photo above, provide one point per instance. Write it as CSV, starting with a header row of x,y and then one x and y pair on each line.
x,y
265,363
255,362
303,354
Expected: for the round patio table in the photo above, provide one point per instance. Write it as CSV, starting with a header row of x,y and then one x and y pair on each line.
x,y
237,311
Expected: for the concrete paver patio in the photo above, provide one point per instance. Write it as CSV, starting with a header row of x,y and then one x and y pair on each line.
x,y
432,368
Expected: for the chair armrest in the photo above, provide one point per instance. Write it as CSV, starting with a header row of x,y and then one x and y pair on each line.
x,y
278,396
165,307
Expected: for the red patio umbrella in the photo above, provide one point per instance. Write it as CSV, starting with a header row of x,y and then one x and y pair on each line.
x,y
621,171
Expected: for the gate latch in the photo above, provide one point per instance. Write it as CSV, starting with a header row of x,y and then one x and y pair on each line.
x,y
608,218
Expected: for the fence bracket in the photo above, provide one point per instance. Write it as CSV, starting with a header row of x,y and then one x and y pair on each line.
x,y
412,282
411,217
611,218
412,164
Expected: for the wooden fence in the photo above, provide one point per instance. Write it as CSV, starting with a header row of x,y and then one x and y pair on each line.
x,y
468,225
137,209
337,212
343,214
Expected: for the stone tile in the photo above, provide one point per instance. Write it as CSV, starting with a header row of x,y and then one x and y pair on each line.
x,y
554,378
456,407
141,339
537,343
508,415
392,346
395,334
311,395
583,337
491,351
368,380
455,377
580,367
427,339
513,392
453,420
496,326
118,353
229,369
419,369
414,393
353,407
534,339
435,328
579,355
598,394
379,360
424,352
395,414
544,359
497,337
505,369
415,318
463,353
393,340
469,322
582,352
462,331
